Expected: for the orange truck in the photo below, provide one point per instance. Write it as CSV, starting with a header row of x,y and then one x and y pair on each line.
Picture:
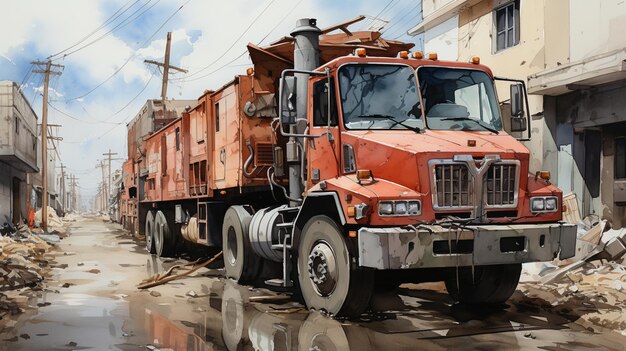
x,y
350,166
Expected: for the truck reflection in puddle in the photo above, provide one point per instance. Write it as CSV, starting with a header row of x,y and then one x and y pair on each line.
x,y
222,317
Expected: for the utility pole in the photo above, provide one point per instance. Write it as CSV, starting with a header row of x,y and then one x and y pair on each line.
x,y
62,185
166,70
109,154
47,71
73,202
103,186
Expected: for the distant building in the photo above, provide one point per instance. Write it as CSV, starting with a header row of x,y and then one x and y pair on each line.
x,y
18,152
572,54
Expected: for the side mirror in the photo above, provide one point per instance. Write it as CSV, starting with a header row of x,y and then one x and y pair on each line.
x,y
517,101
518,124
288,100
518,121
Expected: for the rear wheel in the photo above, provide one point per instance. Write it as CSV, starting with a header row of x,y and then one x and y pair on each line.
x,y
488,285
164,239
150,232
240,261
327,281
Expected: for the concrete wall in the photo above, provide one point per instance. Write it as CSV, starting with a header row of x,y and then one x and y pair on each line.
x,y
596,27
430,6
443,39
18,126
579,118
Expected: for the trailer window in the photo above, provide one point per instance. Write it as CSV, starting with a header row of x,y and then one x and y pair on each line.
x,y
377,96
217,117
177,139
320,103
458,99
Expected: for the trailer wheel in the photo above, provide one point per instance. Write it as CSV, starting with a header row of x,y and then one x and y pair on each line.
x,y
150,232
488,285
327,281
164,240
240,261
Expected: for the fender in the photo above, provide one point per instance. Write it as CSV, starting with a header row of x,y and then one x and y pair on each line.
x,y
317,203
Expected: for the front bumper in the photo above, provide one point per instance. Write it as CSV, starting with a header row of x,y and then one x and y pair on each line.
x,y
430,246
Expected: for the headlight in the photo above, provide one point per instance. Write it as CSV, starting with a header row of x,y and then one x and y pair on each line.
x,y
537,204
400,208
415,207
543,204
550,203
385,208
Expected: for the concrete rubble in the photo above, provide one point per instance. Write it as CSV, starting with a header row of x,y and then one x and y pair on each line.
x,y
593,282
25,262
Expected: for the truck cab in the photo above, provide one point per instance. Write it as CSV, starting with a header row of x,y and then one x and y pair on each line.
x,y
399,170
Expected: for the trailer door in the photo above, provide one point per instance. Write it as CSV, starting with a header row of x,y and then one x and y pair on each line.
x,y
219,151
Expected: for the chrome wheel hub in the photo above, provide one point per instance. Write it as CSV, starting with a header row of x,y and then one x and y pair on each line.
x,y
322,268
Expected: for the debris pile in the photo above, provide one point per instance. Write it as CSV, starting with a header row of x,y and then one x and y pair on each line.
x,y
593,282
53,219
22,262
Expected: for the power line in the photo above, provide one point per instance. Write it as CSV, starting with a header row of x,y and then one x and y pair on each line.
x,y
78,119
185,79
120,25
112,18
117,124
234,42
379,13
406,13
132,56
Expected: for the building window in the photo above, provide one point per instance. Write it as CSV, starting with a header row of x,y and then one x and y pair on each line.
x,y
620,158
507,26
217,117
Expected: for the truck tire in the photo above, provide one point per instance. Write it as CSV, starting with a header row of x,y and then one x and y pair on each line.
x,y
489,284
325,274
165,242
150,232
240,261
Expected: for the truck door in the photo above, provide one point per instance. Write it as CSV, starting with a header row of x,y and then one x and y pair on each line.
x,y
323,156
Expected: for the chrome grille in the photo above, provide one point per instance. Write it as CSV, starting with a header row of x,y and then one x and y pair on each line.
x,y
499,185
453,186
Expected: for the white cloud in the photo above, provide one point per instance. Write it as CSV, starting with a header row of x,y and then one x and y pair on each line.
x,y
202,31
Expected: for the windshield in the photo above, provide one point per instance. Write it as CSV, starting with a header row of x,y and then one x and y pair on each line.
x,y
377,96
459,99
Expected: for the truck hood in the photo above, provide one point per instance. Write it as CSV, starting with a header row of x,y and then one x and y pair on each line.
x,y
402,156
441,141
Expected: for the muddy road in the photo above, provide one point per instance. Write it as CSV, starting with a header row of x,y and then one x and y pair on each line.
x,y
92,303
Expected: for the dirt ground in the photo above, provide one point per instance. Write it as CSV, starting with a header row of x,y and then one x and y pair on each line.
x,y
91,302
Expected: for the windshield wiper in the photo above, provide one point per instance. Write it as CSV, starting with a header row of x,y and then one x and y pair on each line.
x,y
391,118
471,119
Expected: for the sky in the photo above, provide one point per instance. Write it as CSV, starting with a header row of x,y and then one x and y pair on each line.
x,y
102,45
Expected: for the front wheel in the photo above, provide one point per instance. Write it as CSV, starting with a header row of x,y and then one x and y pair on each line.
x,y
487,285
327,281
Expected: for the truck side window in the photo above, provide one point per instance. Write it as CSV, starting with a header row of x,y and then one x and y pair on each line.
x,y
320,103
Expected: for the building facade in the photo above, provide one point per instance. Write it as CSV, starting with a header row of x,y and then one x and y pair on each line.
x,y
18,152
571,54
